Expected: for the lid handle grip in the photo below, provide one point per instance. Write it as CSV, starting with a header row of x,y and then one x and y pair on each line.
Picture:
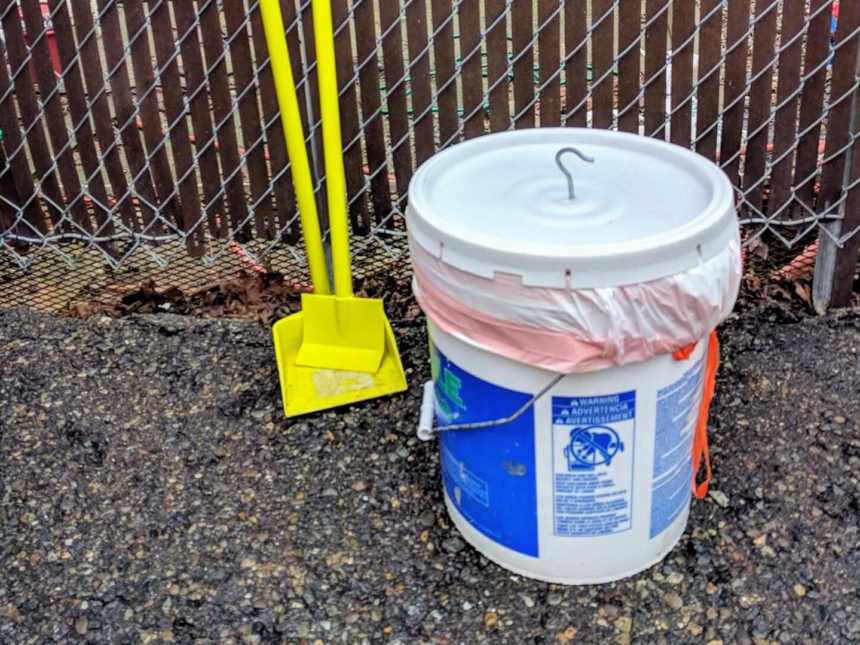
x,y
571,193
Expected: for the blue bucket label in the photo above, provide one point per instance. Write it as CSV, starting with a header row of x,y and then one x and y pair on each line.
x,y
677,411
593,441
488,474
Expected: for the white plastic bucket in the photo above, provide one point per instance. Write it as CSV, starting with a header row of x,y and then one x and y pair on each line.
x,y
564,314
525,495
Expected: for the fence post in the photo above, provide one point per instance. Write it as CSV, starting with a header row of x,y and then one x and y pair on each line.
x,y
836,263
836,260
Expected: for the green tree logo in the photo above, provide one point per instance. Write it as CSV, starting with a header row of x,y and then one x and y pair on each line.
x,y
448,385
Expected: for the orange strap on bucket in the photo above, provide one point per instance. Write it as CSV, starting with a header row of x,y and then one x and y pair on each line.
x,y
700,437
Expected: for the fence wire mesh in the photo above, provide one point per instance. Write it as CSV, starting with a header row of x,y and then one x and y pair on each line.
x,y
142,140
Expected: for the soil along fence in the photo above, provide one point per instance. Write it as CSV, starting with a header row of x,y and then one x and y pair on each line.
x,y
150,129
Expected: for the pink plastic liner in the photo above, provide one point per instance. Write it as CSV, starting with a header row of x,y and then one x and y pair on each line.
x,y
583,330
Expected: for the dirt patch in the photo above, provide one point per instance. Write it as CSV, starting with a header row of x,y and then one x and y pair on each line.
x,y
264,297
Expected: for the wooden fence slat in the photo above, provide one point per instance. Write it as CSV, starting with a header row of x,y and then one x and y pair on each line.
x,y
8,216
293,27
283,214
120,93
764,36
21,175
201,118
53,115
9,184
576,63
398,117
249,116
309,87
350,124
30,114
549,60
682,72
293,23
710,39
812,102
77,105
839,119
842,291
629,26
737,46
190,210
657,17
443,50
522,33
602,79
497,65
374,132
99,107
149,115
419,80
785,124
471,76
224,125
349,119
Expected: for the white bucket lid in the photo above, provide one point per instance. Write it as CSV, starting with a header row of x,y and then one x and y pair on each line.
x,y
643,209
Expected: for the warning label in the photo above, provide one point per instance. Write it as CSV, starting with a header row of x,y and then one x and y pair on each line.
x,y
593,441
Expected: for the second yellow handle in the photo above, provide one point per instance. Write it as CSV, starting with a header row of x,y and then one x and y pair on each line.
x,y
333,148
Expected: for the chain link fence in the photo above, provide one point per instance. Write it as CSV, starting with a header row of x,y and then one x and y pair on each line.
x,y
142,141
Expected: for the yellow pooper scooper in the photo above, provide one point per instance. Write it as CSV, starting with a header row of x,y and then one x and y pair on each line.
x,y
340,349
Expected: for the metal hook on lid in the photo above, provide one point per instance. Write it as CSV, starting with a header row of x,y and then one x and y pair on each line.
x,y
570,191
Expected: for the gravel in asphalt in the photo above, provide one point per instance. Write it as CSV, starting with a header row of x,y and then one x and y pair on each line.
x,y
151,491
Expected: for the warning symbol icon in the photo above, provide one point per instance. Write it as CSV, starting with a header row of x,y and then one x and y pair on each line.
x,y
592,446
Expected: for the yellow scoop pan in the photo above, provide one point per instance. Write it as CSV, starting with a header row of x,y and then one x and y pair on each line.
x,y
340,349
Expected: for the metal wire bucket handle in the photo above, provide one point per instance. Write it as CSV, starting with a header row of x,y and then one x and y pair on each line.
x,y
427,416
426,430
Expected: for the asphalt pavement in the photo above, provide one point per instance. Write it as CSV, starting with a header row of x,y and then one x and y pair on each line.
x,y
151,491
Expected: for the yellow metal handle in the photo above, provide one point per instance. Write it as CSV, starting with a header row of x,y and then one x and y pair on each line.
x,y
282,72
336,183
